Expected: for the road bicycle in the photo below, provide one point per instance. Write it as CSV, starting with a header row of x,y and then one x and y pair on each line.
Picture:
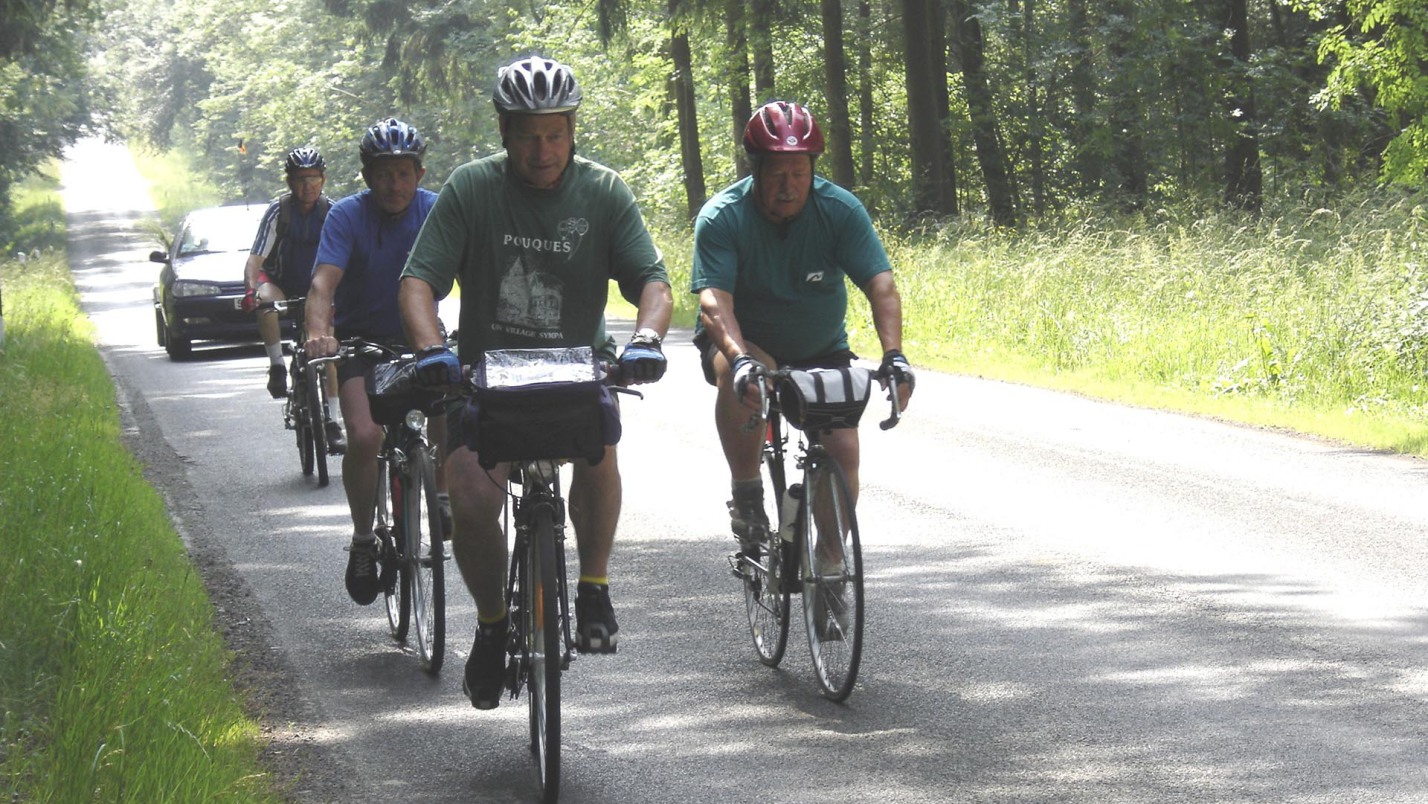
x,y
556,407
305,411
408,521
816,548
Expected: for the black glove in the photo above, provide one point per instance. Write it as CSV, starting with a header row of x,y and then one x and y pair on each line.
x,y
896,368
642,359
436,367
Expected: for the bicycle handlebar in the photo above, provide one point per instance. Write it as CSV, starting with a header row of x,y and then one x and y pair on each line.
x,y
761,375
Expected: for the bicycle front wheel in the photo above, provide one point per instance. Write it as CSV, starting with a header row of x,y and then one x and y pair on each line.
x,y
316,414
295,414
543,647
766,596
832,579
425,560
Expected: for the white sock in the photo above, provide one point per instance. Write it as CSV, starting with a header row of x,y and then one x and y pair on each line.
x,y
275,354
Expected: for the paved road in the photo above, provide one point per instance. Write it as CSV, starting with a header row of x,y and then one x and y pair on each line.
x,y
1068,601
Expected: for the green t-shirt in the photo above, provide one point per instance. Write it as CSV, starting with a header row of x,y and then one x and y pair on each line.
x,y
534,265
787,279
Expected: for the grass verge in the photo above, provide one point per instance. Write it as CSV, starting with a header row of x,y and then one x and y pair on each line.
x,y
112,678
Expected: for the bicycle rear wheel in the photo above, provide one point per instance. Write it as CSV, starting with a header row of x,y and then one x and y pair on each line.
x,y
425,560
832,579
543,649
766,598
316,416
389,533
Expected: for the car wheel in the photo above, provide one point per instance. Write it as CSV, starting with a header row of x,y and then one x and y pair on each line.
x,y
160,331
178,348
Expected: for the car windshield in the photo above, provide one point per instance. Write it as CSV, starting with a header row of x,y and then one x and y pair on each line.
x,y
210,233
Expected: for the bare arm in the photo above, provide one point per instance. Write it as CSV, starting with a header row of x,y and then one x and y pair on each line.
x,y
886,305
250,271
656,307
320,339
716,308
417,302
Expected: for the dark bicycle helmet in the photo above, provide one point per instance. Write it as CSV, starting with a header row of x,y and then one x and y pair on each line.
x,y
304,158
536,85
391,138
781,127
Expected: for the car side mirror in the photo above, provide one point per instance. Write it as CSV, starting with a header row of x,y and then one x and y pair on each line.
x,y
159,256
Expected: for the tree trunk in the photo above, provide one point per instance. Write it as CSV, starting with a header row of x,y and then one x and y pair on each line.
x,y
986,136
760,26
737,80
1084,163
1243,178
1128,150
835,72
924,128
867,143
682,89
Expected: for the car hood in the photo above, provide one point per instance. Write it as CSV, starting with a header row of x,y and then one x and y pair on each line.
x,y
223,266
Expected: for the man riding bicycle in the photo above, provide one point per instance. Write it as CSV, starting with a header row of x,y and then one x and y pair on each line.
x,y
534,235
280,263
778,245
354,295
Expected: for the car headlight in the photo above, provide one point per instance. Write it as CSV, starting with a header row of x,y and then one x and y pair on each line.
x,y
183,288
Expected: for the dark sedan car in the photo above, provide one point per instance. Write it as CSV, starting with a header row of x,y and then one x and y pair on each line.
x,y
199,295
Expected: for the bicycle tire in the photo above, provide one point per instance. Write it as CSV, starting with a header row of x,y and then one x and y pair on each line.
x,y
387,526
832,595
295,413
543,648
425,560
316,409
766,595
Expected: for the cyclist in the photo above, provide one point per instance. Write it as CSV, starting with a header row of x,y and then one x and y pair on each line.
x,y
280,263
770,255
534,235
354,295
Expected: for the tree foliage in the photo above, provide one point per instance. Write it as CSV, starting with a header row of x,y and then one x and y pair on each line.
x,y
1011,109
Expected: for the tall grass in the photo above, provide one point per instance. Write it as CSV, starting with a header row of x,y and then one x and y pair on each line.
x,y
1308,318
112,678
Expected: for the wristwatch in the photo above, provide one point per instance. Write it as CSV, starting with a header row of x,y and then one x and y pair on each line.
x,y
646,335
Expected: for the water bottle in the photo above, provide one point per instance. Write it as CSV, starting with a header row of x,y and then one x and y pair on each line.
x,y
788,511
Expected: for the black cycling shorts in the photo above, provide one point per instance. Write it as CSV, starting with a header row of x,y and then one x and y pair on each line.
x,y
841,358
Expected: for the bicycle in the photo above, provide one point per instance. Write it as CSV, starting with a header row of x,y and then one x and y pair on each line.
x,y
816,547
407,521
305,411
555,407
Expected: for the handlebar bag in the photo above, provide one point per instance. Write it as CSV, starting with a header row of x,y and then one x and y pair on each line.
x,y
824,398
392,391
540,404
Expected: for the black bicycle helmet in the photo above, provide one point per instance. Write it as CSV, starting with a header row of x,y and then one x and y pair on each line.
x,y
391,138
536,85
304,158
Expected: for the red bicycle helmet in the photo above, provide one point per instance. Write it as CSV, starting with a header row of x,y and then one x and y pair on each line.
x,y
781,127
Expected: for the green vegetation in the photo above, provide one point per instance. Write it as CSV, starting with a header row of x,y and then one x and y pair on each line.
x,y
1308,319
112,678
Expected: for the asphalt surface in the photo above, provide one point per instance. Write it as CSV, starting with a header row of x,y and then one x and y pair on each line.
x,y
1068,601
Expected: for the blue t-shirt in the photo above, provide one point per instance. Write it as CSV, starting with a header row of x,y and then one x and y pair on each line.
x,y
371,248
787,279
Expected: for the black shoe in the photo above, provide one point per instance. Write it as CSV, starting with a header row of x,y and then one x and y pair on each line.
x,y
485,677
597,631
363,585
748,519
336,440
277,381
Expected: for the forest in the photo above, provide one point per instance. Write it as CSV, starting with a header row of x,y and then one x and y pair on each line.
x,y
1007,111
